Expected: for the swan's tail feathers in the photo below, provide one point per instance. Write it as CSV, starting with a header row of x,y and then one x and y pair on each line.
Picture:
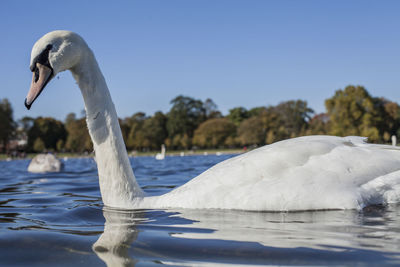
x,y
362,142
381,190
357,140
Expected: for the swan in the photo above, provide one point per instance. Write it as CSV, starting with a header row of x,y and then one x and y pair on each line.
x,y
161,156
44,162
305,173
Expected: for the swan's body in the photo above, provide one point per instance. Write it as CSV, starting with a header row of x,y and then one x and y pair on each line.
x,y
306,173
315,172
161,156
45,163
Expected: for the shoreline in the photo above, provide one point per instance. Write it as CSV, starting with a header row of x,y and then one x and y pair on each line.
x,y
199,152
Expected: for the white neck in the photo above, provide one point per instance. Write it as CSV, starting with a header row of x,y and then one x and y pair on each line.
x,y
118,185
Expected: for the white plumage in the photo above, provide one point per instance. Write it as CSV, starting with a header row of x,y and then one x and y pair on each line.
x,y
307,173
45,163
161,156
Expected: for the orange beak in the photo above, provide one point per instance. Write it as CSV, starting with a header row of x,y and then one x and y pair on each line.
x,y
41,76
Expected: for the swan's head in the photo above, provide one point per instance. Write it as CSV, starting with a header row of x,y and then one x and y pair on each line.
x,y
53,53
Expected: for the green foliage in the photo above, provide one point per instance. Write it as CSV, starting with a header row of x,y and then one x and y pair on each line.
x,y
155,131
49,130
237,115
274,125
255,111
60,145
211,109
7,125
38,145
78,139
319,124
184,117
271,124
295,115
214,133
135,137
191,122
144,133
251,131
353,111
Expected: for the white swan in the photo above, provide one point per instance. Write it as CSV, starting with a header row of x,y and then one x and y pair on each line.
x,y
44,163
161,156
315,172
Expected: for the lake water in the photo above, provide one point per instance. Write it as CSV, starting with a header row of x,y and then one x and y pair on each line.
x,y
58,220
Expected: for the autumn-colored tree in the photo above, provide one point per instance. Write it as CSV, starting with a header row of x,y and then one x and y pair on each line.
x,y
274,125
38,145
353,111
136,139
214,133
252,131
78,139
318,125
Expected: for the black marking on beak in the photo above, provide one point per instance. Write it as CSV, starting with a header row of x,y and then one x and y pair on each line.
x,y
36,75
26,105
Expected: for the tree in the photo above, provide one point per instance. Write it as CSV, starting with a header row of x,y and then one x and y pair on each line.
x,y
184,117
7,125
26,123
211,109
274,125
390,123
155,131
237,115
38,145
78,139
353,111
295,115
318,125
135,138
214,133
252,131
255,111
49,130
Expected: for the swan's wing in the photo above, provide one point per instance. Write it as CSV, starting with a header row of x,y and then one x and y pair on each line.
x,y
314,172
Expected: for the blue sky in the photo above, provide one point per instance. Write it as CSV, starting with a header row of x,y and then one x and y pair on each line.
x,y
239,53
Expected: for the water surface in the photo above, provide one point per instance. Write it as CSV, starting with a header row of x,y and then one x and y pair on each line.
x,y
58,220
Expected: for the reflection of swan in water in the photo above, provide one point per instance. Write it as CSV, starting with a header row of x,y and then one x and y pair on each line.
x,y
45,163
119,233
161,156
267,236
307,173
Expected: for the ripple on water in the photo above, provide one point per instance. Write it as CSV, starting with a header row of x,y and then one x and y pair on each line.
x,y
58,219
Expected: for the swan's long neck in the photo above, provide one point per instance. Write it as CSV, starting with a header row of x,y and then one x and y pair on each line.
x,y
118,185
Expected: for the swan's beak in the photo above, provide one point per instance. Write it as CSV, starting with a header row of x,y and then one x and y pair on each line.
x,y
41,76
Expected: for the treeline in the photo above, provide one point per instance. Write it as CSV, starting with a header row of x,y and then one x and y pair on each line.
x,y
192,123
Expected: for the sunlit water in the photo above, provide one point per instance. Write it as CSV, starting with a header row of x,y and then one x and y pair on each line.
x,y
58,220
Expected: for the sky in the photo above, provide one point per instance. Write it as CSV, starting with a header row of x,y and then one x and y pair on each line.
x,y
237,52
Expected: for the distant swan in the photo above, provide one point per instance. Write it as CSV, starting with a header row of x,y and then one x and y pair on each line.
x,y
306,173
45,162
161,156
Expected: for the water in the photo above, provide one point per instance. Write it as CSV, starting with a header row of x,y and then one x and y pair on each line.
x,y
58,220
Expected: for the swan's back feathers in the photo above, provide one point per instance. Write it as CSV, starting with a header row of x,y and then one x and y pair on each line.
x,y
313,172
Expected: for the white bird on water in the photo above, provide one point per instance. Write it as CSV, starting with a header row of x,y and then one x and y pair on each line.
x,y
306,173
45,162
161,156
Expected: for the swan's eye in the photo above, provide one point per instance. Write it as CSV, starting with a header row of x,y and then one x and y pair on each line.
x,y
36,74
